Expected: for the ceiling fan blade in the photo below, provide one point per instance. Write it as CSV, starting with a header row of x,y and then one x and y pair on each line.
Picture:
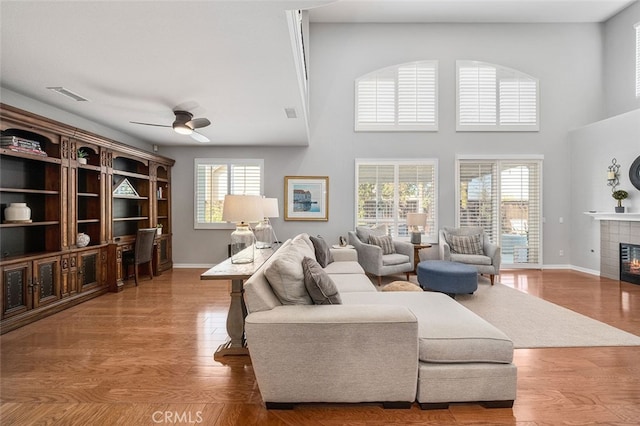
x,y
197,123
199,137
149,124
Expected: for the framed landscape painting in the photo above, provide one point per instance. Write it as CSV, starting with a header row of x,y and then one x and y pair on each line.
x,y
306,198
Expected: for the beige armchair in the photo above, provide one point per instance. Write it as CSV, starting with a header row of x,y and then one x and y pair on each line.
x,y
470,245
372,258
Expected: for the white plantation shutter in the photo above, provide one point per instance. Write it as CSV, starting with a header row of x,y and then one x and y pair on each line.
x,y
518,98
416,194
503,196
520,211
493,98
417,94
376,99
246,179
386,190
402,97
478,195
215,178
637,59
376,193
477,94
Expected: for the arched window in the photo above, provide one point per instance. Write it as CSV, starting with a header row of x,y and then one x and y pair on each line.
x,y
397,98
493,98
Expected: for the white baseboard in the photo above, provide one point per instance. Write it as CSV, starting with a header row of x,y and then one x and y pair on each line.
x,y
557,267
586,270
573,268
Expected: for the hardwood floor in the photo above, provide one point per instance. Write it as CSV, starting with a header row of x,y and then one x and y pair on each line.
x,y
144,356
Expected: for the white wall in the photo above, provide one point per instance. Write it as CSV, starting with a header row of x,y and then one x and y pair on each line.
x,y
592,149
619,61
594,146
566,58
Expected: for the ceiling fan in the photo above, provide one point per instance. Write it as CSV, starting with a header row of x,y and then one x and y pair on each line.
x,y
185,124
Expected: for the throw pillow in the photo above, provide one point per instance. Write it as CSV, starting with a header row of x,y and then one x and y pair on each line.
x,y
323,252
385,242
466,244
305,238
285,274
319,284
364,232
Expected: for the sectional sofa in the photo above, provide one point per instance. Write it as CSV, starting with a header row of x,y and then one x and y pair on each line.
x,y
394,348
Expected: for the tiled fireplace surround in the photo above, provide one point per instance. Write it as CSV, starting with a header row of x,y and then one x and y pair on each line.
x,y
612,233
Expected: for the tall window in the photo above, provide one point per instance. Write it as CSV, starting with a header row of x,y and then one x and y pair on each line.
x,y
492,98
401,97
503,196
386,190
637,60
215,178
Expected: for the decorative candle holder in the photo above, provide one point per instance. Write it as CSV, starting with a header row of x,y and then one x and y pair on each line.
x,y
612,174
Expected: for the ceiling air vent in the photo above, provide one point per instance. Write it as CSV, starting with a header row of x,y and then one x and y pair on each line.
x,y
68,93
291,112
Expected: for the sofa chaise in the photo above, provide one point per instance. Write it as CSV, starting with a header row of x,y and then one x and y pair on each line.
x,y
393,348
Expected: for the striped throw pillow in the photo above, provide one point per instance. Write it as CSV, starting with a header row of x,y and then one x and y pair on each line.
x,y
384,241
466,244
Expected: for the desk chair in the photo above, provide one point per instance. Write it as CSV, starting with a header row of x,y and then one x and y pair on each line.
x,y
143,252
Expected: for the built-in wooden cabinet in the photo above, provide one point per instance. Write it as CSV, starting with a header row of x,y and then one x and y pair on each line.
x,y
29,285
42,266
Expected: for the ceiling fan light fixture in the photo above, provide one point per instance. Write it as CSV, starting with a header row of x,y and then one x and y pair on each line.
x,y
182,128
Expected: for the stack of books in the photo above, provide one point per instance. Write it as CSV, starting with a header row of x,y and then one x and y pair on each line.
x,y
18,144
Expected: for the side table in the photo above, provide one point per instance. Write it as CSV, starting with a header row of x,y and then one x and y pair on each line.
x,y
416,256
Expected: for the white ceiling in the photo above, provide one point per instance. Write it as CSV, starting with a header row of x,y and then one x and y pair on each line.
x,y
551,11
229,61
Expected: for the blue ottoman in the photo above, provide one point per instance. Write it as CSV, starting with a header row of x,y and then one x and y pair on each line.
x,y
447,277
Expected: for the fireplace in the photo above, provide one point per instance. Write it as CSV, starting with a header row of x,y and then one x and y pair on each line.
x,y
630,263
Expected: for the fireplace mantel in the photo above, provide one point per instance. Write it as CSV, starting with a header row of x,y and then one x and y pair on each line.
x,y
627,217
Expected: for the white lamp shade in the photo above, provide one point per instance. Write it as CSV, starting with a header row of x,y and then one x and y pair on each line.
x,y
270,207
242,208
416,219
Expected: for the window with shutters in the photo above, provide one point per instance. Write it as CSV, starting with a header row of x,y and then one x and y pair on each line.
x,y
397,98
503,196
637,26
386,190
495,98
215,178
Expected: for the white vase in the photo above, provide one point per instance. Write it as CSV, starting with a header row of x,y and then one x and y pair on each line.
x,y
82,160
17,212
82,240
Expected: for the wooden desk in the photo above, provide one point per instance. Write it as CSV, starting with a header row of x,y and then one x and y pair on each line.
x,y
237,273
116,274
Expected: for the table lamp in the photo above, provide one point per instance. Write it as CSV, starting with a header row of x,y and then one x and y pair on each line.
x,y
242,209
265,235
414,222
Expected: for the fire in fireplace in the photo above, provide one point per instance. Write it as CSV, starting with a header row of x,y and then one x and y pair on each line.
x,y
630,263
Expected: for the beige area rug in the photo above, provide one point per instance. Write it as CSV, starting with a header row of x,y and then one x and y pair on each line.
x,y
535,323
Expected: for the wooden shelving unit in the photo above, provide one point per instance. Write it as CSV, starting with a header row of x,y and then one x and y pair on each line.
x,y
42,268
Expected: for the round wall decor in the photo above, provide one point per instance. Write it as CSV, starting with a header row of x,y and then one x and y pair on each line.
x,y
634,173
